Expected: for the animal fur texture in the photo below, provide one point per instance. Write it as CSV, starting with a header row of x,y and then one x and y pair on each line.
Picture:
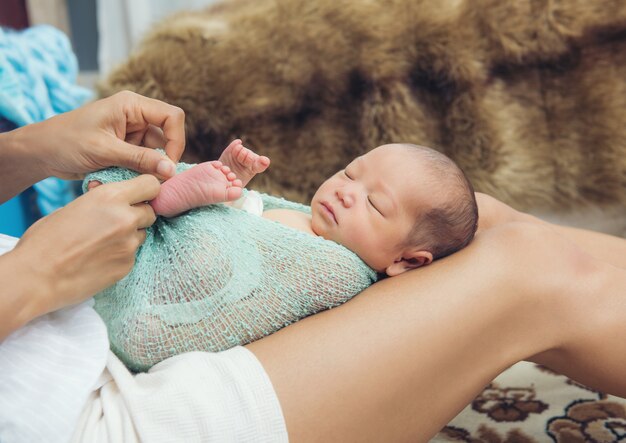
x,y
527,96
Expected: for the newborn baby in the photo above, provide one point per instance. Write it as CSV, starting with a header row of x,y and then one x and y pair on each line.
x,y
400,205
218,276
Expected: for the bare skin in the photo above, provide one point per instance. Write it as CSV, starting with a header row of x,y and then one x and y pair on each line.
x,y
204,184
244,162
114,131
601,246
391,379
210,182
387,366
404,357
81,249
401,359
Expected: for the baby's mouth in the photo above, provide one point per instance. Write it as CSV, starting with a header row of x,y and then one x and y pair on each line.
x,y
328,211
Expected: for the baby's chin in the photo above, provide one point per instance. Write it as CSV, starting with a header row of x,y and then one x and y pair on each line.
x,y
320,232
315,226
325,236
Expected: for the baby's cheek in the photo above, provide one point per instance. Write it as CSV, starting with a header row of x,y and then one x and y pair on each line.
x,y
355,238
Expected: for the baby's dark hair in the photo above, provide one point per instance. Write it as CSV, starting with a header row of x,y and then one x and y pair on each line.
x,y
450,224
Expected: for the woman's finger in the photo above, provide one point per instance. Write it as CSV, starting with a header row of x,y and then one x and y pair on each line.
x,y
140,236
141,159
139,189
170,119
145,215
154,138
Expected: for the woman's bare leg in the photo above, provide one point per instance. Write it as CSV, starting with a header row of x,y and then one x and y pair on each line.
x,y
404,357
605,247
594,352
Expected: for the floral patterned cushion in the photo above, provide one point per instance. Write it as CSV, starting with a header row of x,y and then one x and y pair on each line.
x,y
530,403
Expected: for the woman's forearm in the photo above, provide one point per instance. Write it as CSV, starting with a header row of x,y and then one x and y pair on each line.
x,y
19,168
21,298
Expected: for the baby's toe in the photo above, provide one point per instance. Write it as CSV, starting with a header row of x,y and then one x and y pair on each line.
x,y
235,144
245,156
230,175
93,184
261,164
233,193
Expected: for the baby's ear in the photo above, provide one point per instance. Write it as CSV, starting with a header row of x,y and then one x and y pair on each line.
x,y
411,260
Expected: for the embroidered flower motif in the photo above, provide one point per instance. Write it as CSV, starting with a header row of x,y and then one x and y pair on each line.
x,y
601,395
585,421
484,434
508,404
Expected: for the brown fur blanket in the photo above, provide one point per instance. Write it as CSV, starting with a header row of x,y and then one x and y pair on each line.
x,y
528,96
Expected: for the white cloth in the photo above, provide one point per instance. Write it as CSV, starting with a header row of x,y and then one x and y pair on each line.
x,y
7,243
54,385
193,397
47,370
251,202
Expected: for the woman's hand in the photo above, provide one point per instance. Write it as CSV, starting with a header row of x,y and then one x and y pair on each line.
x,y
114,131
76,251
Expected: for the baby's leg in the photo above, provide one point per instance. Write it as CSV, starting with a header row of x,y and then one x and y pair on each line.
x,y
243,162
204,184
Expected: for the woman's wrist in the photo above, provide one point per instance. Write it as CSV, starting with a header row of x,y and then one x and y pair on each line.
x,y
20,166
24,292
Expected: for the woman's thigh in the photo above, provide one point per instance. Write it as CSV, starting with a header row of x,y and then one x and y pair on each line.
x,y
604,247
401,359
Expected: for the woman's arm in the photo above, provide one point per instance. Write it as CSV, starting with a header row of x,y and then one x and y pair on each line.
x,y
19,168
87,245
74,252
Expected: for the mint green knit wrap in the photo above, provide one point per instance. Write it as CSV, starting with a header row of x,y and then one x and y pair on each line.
x,y
217,277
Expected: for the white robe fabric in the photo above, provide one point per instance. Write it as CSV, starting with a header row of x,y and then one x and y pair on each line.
x,y
48,368
59,383
194,397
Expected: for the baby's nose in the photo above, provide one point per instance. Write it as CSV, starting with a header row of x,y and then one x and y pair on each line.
x,y
346,197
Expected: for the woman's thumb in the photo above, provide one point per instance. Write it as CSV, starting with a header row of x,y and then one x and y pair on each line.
x,y
145,160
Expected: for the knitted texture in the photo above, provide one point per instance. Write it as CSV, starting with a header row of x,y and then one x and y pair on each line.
x,y
216,277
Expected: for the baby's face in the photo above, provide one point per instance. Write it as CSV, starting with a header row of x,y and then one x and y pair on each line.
x,y
370,206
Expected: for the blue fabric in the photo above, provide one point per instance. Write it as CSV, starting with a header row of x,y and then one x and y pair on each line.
x,y
37,75
37,81
17,214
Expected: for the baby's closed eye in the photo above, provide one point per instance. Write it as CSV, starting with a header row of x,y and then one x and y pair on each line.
x,y
369,199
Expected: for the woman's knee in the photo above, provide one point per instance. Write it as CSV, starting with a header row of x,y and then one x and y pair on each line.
x,y
538,256
493,212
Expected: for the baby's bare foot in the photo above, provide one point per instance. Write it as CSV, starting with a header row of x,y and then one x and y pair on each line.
x,y
204,184
244,162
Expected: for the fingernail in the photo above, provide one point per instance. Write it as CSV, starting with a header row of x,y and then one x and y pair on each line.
x,y
165,168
